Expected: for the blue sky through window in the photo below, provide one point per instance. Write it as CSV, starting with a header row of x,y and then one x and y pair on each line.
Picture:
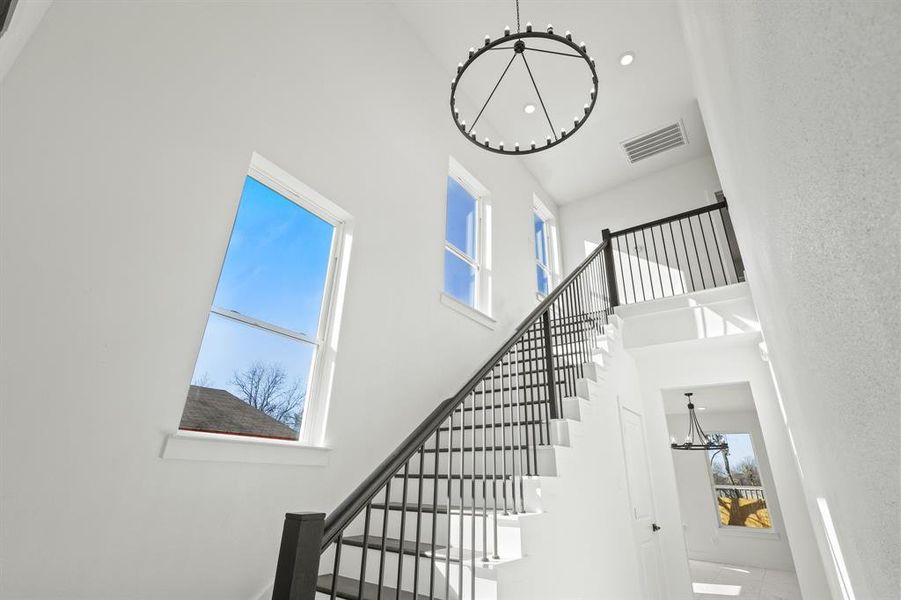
x,y
540,240
461,218
277,261
459,278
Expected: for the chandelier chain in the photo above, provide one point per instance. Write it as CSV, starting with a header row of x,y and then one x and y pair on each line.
x,y
518,28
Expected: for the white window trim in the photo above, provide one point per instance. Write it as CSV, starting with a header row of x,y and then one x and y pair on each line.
x,y
739,530
307,450
551,242
482,311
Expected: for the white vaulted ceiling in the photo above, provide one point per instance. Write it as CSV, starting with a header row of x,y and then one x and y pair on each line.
x,y
653,92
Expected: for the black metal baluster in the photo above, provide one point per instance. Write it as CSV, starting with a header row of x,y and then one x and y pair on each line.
x,y
472,500
462,477
434,516
417,550
718,252
697,256
504,438
512,396
644,295
484,470
676,252
336,568
365,546
526,391
707,250
691,276
647,253
403,524
523,455
622,273
669,271
450,468
493,458
657,260
387,512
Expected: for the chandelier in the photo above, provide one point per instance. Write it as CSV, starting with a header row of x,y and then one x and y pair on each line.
x,y
696,438
520,45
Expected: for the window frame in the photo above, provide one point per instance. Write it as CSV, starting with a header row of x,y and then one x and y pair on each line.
x,y
771,530
481,262
324,339
552,268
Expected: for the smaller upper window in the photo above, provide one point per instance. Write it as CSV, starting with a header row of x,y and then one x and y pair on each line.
x,y
466,241
737,487
542,267
546,270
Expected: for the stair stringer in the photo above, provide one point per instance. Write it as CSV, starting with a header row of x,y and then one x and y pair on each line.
x,y
581,546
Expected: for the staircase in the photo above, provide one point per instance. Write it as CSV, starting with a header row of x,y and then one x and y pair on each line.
x,y
449,513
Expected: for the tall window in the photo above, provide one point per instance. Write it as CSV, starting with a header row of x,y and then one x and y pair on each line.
x,y
258,359
737,487
466,241
542,264
546,268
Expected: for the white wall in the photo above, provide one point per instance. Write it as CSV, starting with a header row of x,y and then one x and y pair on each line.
x,y
704,538
127,131
686,186
800,102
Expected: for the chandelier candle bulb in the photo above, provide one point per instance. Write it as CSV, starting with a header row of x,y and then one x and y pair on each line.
x,y
583,47
472,51
459,68
487,40
548,140
500,145
507,30
516,146
575,121
528,27
562,132
533,144
586,108
550,28
569,36
487,142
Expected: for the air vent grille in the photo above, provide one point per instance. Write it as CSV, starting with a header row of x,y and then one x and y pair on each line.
x,y
646,146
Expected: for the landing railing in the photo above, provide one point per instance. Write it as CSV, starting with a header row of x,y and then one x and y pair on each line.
x,y
687,252
740,492
423,523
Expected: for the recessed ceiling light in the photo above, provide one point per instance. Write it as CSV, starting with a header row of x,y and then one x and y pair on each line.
x,y
702,408
528,109
626,59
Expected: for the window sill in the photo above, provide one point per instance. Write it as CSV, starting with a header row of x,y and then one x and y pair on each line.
x,y
468,311
749,532
215,447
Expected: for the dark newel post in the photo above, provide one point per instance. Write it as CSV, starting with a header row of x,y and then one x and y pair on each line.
x,y
549,363
612,292
298,557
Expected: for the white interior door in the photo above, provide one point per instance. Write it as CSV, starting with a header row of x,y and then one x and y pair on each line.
x,y
641,496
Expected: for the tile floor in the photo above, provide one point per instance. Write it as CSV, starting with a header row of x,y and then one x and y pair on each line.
x,y
715,581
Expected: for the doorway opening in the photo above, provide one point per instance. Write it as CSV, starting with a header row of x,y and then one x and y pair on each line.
x,y
733,526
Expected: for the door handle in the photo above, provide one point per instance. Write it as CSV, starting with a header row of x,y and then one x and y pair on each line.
x,y
655,527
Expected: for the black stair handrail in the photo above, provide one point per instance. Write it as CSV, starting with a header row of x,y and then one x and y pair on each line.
x,y
351,507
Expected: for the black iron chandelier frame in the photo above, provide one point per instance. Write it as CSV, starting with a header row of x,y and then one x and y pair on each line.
x,y
694,427
520,48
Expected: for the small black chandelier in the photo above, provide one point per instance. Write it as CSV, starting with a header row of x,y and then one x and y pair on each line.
x,y
519,48
696,438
